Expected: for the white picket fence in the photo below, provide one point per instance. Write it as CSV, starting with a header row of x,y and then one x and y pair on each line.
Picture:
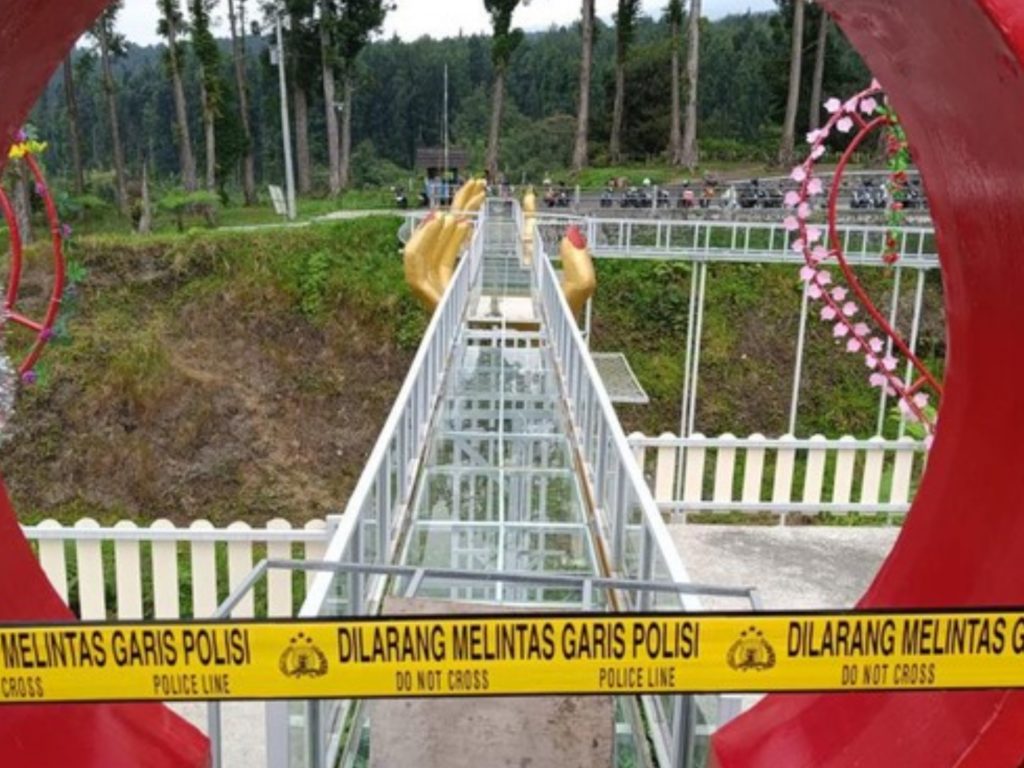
x,y
782,476
132,573
164,572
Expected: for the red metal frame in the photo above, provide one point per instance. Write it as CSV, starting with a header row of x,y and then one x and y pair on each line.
x,y
14,233
42,329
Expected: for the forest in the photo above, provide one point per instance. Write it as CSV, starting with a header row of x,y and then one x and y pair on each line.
x,y
203,113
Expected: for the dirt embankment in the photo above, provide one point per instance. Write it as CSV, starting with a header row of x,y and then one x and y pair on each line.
x,y
190,389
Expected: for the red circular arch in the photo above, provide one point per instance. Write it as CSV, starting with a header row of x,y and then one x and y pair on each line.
x,y
953,69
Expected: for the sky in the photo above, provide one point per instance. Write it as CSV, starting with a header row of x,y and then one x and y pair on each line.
x,y
444,18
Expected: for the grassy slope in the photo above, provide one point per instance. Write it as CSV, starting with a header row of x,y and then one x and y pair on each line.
x,y
201,377
246,375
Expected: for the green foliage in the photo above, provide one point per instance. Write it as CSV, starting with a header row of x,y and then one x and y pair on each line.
x,y
505,39
625,27
181,203
314,271
369,169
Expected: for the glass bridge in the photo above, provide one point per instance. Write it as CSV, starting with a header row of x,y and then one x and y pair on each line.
x,y
503,479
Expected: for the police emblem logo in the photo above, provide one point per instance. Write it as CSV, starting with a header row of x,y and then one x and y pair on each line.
x,y
752,652
302,658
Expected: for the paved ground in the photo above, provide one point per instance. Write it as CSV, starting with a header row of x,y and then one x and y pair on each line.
x,y
793,568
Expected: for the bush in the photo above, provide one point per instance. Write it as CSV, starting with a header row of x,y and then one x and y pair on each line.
x,y
181,203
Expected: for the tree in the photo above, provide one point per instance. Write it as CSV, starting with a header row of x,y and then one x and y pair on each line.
x,y
169,25
112,44
625,31
788,145
819,71
503,45
210,85
674,16
74,136
328,20
359,20
689,157
237,23
302,40
579,155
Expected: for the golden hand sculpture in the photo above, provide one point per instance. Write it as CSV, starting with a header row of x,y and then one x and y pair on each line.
x,y
432,251
529,217
579,280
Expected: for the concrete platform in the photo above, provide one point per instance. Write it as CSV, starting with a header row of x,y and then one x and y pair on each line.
x,y
509,732
794,568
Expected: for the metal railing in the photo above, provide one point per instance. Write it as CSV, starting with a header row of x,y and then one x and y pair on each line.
x,y
733,241
634,540
377,511
322,745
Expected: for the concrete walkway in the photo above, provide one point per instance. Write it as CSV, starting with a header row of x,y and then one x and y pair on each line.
x,y
793,568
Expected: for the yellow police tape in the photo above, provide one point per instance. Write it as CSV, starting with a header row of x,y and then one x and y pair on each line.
x,y
494,656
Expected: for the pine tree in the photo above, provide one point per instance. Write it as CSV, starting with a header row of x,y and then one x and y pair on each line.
x,y
787,147
689,155
625,31
579,155
237,23
210,84
111,44
503,44
170,24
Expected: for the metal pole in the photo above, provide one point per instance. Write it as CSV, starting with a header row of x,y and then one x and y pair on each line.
x,y
884,398
589,319
798,368
684,404
286,132
915,330
449,191
213,732
688,361
696,348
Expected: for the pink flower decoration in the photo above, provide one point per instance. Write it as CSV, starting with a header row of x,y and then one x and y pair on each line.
x,y
824,278
889,363
828,314
804,211
871,361
840,330
850,309
833,105
791,224
798,245
813,291
819,254
815,187
839,293
817,152
792,199
813,136
905,409
877,380
921,400
869,106
875,85
851,105
853,345
813,234
799,174
808,273
861,329
876,345
845,125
